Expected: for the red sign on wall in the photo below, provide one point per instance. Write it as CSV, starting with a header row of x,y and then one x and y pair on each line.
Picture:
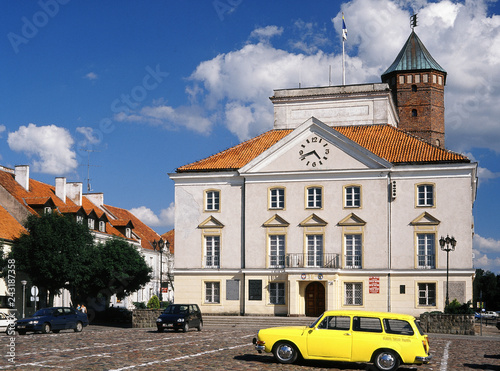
x,y
374,284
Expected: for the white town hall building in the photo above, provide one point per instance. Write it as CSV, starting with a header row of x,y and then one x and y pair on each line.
x,y
341,205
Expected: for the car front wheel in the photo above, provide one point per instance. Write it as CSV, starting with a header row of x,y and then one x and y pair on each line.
x,y
46,328
285,352
386,360
200,326
185,328
79,327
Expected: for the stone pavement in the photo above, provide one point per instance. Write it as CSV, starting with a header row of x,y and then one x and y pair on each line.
x,y
221,345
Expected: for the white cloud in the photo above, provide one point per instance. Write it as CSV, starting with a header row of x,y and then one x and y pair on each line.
x,y
91,76
148,217
89,136
50,146
265,33
487,253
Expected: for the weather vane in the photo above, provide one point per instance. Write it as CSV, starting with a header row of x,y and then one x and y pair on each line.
x,y
413,21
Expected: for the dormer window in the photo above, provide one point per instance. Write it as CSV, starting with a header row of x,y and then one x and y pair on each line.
x,y
79,219
128,232
47,210
102,226
91,223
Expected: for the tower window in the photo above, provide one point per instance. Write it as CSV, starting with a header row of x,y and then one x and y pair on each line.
x,y
414,113
414,88
409,79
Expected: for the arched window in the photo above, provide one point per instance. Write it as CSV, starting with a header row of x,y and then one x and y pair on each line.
x,y
414,88
414,113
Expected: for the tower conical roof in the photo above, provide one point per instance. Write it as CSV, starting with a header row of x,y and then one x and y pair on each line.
x,y
413,56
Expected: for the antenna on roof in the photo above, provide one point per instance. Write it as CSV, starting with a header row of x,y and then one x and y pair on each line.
x,y
89,188
413,21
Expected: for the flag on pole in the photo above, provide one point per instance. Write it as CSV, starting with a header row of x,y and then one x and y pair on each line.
x,y
344,29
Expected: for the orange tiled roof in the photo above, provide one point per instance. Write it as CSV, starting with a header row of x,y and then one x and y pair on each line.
x,y
10,228
170,237
146,234
385,141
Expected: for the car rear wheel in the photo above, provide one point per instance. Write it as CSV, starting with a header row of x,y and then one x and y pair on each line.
x,y
386,360
200,326
285,352
46,328
21,332
185,328
79,327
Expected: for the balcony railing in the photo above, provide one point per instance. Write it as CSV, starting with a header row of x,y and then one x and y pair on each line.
x,y
329,260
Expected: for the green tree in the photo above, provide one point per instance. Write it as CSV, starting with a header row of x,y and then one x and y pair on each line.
x,y
117,268
487,289
154,302
54,252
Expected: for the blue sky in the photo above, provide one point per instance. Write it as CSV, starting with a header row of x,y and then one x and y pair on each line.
x,y
145,87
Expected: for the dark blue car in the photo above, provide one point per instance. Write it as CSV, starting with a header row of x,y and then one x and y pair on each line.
x,y
180,317
53,319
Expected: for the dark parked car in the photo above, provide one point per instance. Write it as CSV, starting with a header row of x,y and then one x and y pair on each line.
x,y
180,316
53,319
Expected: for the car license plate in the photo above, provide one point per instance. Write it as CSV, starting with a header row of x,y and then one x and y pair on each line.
x,y
22,326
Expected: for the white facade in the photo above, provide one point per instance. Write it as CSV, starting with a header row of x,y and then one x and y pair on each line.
x,y
368,240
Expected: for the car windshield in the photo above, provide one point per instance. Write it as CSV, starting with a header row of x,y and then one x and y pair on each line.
x,y
316,321
43,312
176,309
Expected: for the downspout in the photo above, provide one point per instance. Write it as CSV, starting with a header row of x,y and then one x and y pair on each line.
x,y
389,239
243,240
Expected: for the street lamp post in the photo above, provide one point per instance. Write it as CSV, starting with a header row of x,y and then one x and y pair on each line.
x,y
447,244
160,245
24,282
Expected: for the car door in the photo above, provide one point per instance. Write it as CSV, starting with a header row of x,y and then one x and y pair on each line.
x,y
58,319
69,318
194,320
331,338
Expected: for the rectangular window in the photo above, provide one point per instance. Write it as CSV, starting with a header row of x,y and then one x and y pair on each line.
x,y
315,250
276,251
212,292
427,294
212,251
232,289
212,201
79,219
102,226
352,196
254,289
426,253
91,223
366,324
425,195
277,293
314,198
353,293
353,250
277,198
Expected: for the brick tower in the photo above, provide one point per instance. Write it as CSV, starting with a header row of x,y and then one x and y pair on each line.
x,y
417,83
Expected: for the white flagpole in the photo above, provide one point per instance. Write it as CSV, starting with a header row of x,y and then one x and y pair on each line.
x,y
344,38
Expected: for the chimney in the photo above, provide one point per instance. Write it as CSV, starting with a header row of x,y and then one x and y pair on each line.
x,y
74,192
96,198
22,173
61,188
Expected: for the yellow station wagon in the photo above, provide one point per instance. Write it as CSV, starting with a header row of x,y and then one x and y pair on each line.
x,y
386,339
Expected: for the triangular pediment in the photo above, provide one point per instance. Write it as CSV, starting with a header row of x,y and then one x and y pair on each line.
x,y
352,220
313,221
210,222
425,219
276,221
314,146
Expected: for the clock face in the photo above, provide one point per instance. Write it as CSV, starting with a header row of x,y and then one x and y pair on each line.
x,y
314,151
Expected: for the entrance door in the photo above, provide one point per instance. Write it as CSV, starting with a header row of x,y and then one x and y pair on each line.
x,y
315,299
